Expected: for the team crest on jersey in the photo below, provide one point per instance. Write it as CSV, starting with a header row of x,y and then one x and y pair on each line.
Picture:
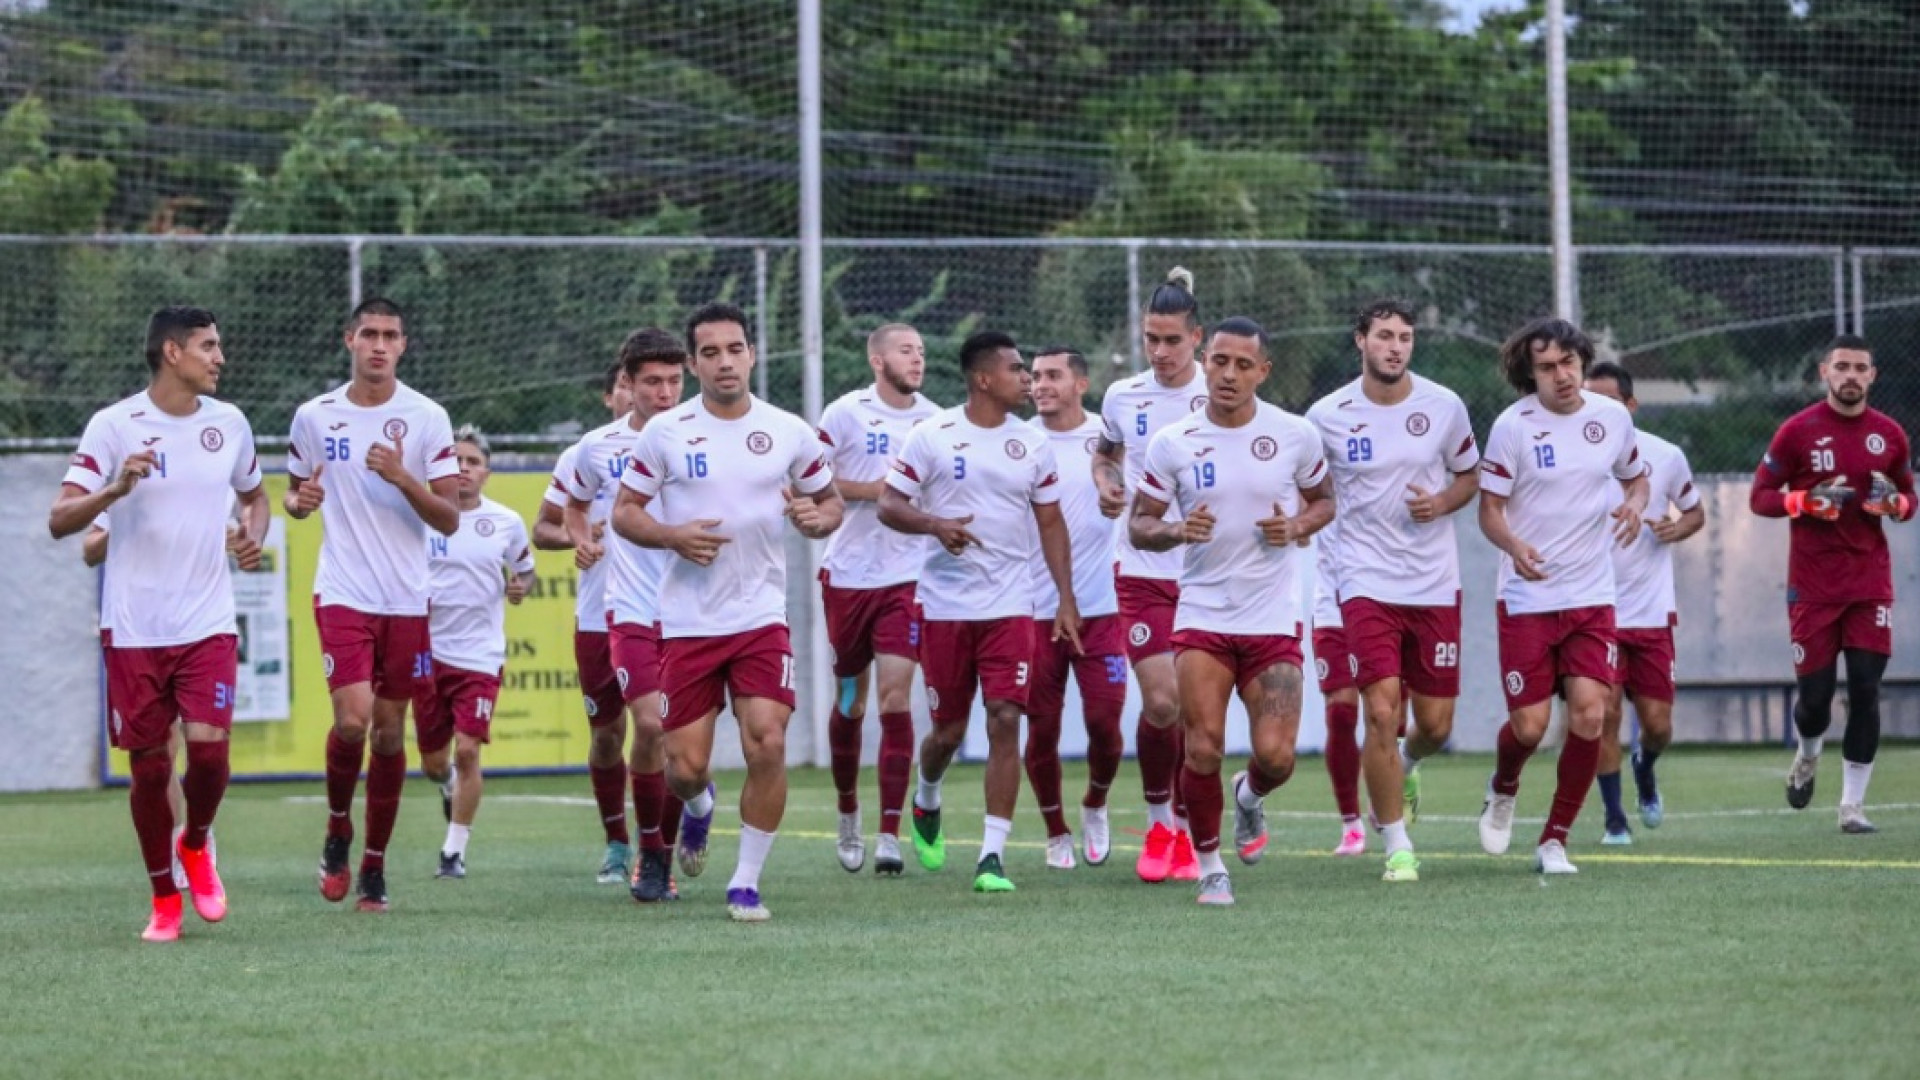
x,y
211,440
1016,449
1138,633
760,442
394,429
1265,448
1876,444
1418,424
484,527
1515,683
1595,431
1093,444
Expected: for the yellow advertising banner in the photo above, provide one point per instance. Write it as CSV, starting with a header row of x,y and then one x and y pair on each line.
x,y
539,722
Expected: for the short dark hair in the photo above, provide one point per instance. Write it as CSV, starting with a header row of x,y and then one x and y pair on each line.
x,y
981,345
1608,369
650,345
1174,296
716,312
1516,354
175,323
1074,360
1850,342
376,305
1241,326
612,379
1385,307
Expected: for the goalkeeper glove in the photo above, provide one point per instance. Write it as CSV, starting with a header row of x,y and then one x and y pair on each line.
x,y
1823,500
1885,500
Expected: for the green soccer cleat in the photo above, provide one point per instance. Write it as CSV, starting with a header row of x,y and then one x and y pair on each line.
x,y
613,869
1402,866
928,841
1410,790
988,877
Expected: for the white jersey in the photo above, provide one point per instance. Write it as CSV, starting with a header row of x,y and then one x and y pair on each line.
x,y
1237,583
1132,413
1377,453
166,577
863,434
373,548
998,475
469,619
1090,530
631,588
1326,577
590,586
1643,570
1559,474
694,465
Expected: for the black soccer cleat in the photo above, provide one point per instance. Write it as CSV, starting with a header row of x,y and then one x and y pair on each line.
x,y
1800,780
452,866
654,882
373,890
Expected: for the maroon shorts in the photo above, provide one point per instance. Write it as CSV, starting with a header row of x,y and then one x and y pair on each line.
x,y
1248,656
599,683
995,654
1820,631
865,622
1146,608
1332,663
1538,650
1100,669
454,700
698,674
1418,645
148,689
1646,666
390,651
636,659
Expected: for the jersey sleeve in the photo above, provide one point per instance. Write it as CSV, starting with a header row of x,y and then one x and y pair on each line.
x,y
519,550
1777,465
97,458
436,442
1310,460
914,466
246,463
832,431
1110,423
809,471
577,482
303,447
1502,461
1046,476
1160,476
1685,495
558,492
1628,464
646,474
1462,453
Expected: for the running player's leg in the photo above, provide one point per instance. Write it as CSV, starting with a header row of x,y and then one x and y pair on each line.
x,y
433,734
1430,675
1815,629
1046,702
347,655
1333,665
1206,679
470,697
760,679
605,702
1608,778
142,717
1861,743
1646,659
1584,661
1376,635
203,687
402,658
893,679
176,796
1147,609
850,615
1004,649
1527,678
637,665
1101,673
952,676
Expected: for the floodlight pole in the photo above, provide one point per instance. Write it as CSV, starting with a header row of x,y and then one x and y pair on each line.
x,y
1566,297
819,679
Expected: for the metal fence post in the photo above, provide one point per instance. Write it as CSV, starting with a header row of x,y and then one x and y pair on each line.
x,y
760,342
1859,295
1134,359
1839,294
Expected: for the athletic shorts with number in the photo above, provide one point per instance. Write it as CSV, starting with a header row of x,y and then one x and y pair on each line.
x,y
1418,645
1248,656
636,659
864,622
148,689
454,700
1645,665
1332,662
697,675
599,683
1146,608
1820,631
996,655
390,651
1538,650
1100,669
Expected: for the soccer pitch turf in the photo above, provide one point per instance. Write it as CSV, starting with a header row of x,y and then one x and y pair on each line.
x,y
1740,939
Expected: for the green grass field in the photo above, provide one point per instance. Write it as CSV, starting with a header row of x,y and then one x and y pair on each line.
x,y
1738,940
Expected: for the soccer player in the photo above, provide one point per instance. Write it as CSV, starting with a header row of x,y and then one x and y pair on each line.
x,y
1838,469
1404,461
655,363
1147,582
711,482
376,458
1249,482
1100,669
1548,501
167,460
980,473
1644,615
866,587
1333,667
488,560
592,651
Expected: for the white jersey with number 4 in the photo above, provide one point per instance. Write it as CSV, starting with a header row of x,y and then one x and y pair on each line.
x,y
863,434
1089,529
693,466
1643,570
1237,583
373,548
1561,476
467,571
1377,454
631,589
1132,413
166,577
589,589
997,475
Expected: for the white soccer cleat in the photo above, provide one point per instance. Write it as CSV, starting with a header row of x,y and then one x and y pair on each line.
x,y
1853,820
1551,858
1800,780
852,846
886,855
1353,839
1094,835
1496,822
1060,851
